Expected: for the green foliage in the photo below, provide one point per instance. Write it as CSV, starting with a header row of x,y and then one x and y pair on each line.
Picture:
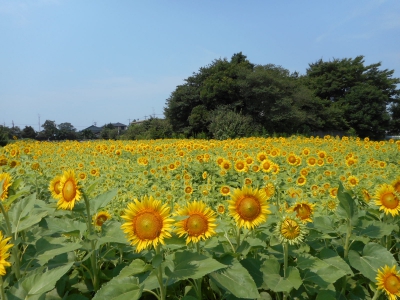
x,y
225,123
153,128
3,136
49,130
28,132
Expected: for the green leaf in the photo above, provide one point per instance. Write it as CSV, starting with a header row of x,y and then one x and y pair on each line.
x,y
38,283
236,280
102,200
192,265
374,256
273,279
111,232
346,202
324,224
49,247
326,295
64,225
373,229
126,288
33,218
20,210
137,266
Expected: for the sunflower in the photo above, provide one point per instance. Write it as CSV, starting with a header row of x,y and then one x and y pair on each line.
x,y
4,247
199,224
353,180
266,165
221,209
82,176
69,191
366,195
225,190
100,218
240,166
54,187
301,181
304,210
269,190
396,184
148,223
291,231
262,156
226,165
311,161
6,179
386,198
249,207
333,192
388,280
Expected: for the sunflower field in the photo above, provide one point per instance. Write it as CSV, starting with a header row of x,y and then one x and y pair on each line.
x,y
252,218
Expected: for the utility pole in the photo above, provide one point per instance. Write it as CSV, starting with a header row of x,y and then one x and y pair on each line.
x,y
12,123
39,122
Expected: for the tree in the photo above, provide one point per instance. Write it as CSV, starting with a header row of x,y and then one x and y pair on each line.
x,y
214,85
66,131
14,131
3,135
87,134
362,92
28,132
50,130
153,128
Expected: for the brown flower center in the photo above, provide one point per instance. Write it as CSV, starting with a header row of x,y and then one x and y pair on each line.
x,y
148,225
392,284
248,208
389,200
303,211
69,190
196,225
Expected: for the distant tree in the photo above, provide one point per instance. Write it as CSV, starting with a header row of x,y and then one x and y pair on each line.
x,y
394,127
225,123
28,132
3,135
363,93
14,131
49,130
153,128
87,134
66,131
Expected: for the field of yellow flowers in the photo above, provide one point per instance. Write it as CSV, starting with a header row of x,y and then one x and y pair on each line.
x,y
251,218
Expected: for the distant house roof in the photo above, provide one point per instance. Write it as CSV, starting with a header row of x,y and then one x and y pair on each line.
x,y
118,125
94,129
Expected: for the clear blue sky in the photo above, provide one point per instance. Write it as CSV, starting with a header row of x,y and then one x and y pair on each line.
x,y
110,61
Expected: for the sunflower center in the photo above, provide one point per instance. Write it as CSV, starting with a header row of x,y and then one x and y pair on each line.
x,y
240,166
100,220
196,225
392,284
225,190
57,187
69,191
292,159
303,211
290,229
249,208
389,200
147,226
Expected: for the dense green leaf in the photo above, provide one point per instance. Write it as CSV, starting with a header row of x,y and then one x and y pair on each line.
x,y
111,232
346,202
374,256
37,283
33,218
192,265
374,229
64,225
233,278
102,200
126,288
49,247
137,266
21,209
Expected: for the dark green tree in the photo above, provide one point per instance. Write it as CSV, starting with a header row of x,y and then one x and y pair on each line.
x,y
87,134
3,135
66,131
28,132
49,130
362,92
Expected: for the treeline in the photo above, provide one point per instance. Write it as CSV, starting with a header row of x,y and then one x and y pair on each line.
x,y
237,98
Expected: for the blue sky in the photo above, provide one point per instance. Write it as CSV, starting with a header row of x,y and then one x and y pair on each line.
x,y
114,61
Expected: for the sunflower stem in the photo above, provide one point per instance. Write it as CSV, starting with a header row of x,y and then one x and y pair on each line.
x,y
95,278
3,296
14,251
237,239
160,276
376,294
285,258
347,241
